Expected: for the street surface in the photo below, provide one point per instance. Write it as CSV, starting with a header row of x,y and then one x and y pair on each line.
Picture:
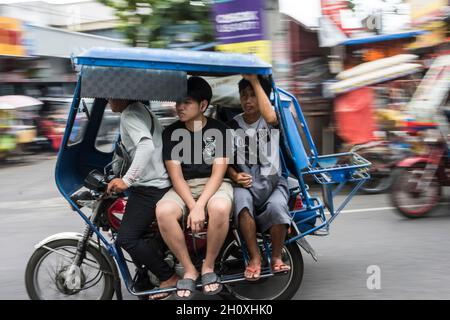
x,y
412,255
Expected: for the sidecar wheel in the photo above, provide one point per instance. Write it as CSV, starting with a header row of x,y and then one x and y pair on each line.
x,y
278,287
96,276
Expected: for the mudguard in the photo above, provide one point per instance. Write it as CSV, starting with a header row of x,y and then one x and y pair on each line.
x,y
410,162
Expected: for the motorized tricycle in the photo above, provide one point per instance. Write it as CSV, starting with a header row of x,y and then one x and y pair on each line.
x,y
89,265
52,121
419,180
17,129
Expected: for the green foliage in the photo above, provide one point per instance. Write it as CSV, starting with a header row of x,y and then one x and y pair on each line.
x,y
156,23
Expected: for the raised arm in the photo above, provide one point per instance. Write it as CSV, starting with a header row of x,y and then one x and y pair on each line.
x,y
265,107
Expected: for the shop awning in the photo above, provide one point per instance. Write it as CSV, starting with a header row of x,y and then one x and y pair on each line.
x,y
383,37
53,42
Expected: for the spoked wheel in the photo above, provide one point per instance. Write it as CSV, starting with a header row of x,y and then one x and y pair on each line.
x,y
47,274
414,196
281,286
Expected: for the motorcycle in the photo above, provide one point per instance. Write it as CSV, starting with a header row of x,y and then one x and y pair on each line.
x,y
90,265
96,268
418,181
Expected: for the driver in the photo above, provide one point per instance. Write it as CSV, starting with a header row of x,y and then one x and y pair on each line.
x,y
147,181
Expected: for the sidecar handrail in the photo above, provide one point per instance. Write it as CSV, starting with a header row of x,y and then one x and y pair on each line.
x,y
327,170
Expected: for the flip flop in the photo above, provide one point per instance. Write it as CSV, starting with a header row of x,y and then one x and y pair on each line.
x,y
280,267
166,295
188,285
253,271
211,278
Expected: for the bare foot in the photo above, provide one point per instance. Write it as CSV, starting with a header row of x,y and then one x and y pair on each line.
x,y
188,275
213,286
171,282
279,266
253,270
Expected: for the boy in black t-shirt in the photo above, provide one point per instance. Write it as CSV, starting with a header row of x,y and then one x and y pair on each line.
x,y
195,154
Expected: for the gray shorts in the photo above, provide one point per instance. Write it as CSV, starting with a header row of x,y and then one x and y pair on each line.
x,y
225,191
274,211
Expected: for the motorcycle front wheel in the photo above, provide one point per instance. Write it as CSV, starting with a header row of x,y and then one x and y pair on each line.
x,y
409,198
45,275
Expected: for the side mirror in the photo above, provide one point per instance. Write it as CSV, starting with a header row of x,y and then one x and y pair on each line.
x,y
95,180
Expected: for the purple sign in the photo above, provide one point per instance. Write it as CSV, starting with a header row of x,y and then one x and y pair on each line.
x,y
238,20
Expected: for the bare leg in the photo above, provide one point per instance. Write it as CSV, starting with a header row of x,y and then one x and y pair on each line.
x,y
278,233
168,214
247,226
171,282
218,223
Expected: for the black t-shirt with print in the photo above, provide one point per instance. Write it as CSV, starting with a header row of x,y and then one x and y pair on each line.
x,y
196,150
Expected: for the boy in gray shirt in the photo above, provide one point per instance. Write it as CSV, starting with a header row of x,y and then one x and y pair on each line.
x,y
147,181
261,197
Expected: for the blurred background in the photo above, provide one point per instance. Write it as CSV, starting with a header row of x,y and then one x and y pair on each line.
x,y
371,76
309,43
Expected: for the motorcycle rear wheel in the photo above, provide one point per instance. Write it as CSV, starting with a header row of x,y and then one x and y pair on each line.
x,y
98,287
277,287
377,184
380,174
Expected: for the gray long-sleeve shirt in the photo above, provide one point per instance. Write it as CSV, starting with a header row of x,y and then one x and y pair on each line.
x,y
147,167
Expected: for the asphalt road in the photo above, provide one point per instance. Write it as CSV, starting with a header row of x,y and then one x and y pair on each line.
x,y
412,256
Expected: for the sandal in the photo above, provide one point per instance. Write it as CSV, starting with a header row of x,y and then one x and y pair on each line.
x,y
165,295
188,285
254,271
211,278
280,267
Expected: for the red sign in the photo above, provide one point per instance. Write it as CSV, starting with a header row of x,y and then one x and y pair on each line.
x,y
334,10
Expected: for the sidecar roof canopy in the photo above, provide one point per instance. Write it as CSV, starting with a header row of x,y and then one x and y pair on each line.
x,y
182,60
155,74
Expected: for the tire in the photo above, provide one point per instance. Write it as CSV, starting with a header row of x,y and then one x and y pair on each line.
x,y
380,181
92,254
404,179
382,184
295,276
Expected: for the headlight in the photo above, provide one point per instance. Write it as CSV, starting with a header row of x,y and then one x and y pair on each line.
x,y
432,136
